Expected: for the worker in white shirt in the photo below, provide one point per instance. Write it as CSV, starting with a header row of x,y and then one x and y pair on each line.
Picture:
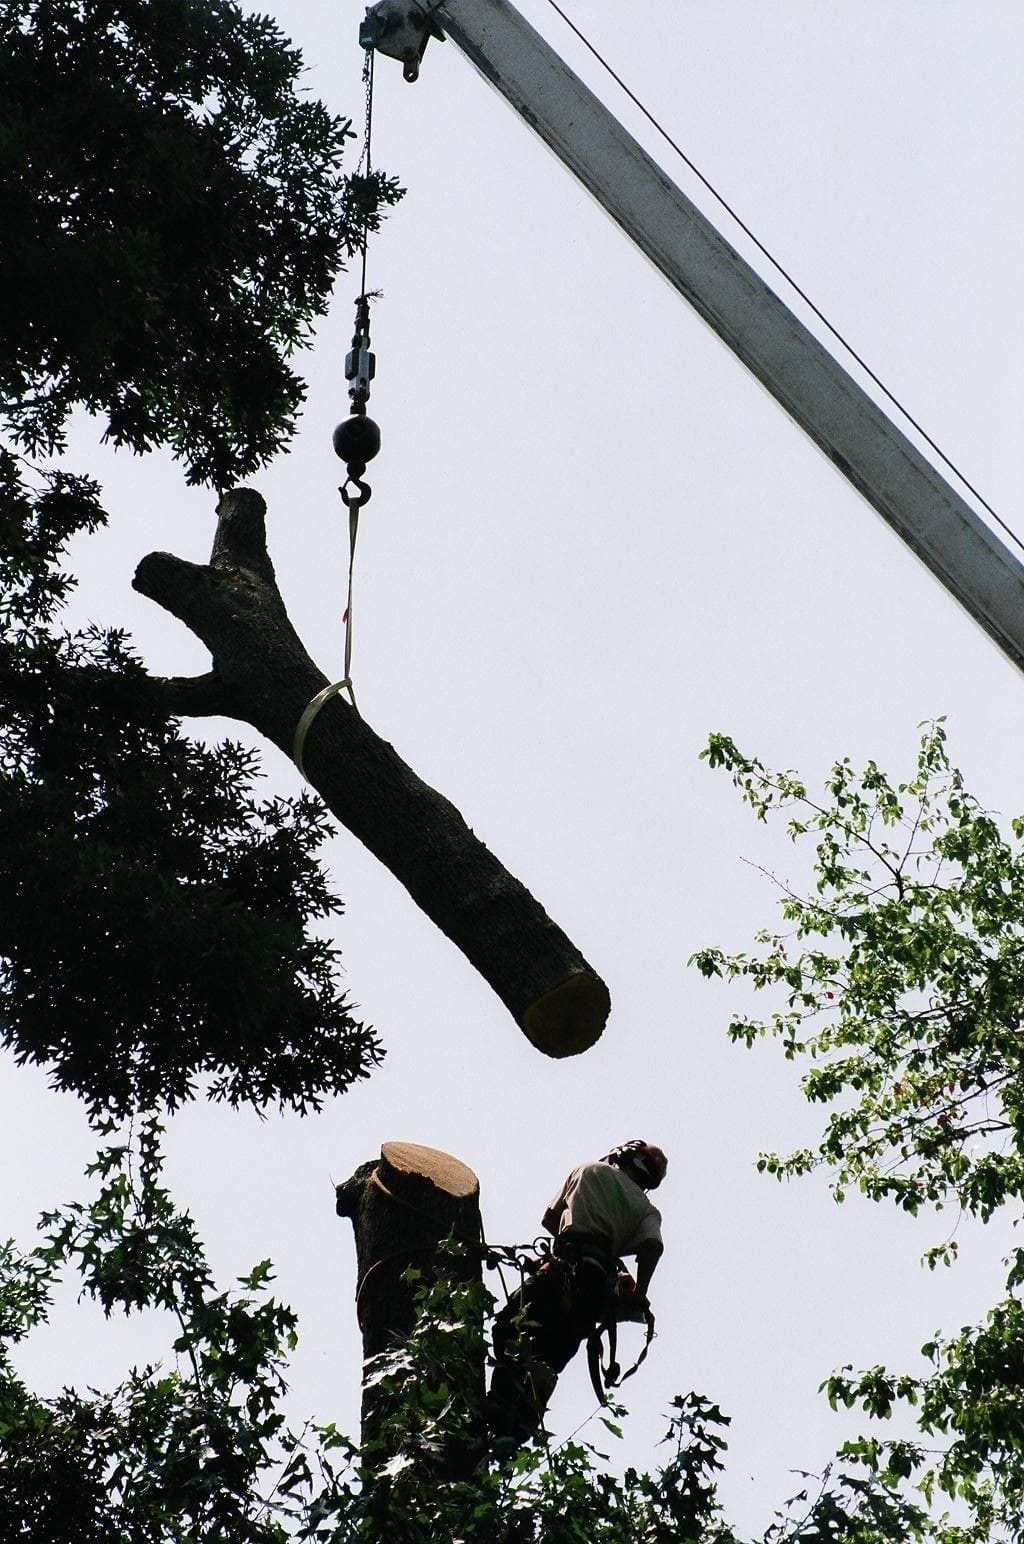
x,y
601,1213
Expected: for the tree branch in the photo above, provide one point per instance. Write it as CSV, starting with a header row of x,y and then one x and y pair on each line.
x,y
190,696
263,675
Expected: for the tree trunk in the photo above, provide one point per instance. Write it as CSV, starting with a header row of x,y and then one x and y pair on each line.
x,y
401,1208
263,676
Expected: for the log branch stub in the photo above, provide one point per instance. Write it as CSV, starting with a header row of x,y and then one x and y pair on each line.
x,y
240,540
263,675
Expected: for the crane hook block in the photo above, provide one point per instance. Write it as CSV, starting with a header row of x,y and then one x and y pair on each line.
x,y
356,442
401,29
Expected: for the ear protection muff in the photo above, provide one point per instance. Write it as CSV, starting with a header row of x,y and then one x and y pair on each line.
x,y
632,1155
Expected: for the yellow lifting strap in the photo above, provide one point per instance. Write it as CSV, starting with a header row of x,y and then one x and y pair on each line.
x,y
312,708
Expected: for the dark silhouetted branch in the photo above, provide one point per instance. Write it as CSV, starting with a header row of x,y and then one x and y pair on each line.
x,y
263,675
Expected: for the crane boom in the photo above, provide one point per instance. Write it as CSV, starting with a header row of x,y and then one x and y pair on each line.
x,y
800,373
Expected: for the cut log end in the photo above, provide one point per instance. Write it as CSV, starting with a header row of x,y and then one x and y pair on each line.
x,y
569,1018
442,1170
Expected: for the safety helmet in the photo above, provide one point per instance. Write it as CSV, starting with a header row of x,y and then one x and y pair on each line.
x,y
636,1155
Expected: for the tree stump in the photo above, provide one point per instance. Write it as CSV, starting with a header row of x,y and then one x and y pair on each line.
x,y
402,1206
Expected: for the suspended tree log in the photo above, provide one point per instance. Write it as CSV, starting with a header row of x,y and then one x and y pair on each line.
x,y
262,675
401,1207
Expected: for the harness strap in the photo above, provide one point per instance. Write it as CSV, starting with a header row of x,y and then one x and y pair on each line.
x,y
648,1337
594,1364
607,1375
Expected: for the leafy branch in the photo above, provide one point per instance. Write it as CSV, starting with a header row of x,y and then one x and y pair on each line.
x,y
911,1025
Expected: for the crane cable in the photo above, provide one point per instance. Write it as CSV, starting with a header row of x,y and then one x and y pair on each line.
x,y
357,440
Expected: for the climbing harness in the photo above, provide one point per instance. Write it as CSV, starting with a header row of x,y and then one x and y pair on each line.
x,y
619,1307
540,1258
606,1374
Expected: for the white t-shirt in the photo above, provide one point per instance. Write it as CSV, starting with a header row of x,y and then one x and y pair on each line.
x,y
601,1200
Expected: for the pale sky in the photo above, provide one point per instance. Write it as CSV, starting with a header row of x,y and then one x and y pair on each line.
x,y
593,538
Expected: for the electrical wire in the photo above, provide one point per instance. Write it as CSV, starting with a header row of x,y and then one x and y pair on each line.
x,y
785,274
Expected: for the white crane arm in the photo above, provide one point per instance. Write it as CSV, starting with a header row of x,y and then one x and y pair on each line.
x,y
818,394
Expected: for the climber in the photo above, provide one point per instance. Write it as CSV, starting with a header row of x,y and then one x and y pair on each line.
x,y
601,1213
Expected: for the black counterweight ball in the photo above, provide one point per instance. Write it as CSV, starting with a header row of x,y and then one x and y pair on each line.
x,y
356,442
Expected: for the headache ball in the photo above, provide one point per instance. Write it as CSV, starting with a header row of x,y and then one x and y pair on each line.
x,y
356,441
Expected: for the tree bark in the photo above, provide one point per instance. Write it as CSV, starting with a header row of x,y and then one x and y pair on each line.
x,y
401,1207
263,675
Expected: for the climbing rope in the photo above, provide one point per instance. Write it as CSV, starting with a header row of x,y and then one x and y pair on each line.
x,y
407,1253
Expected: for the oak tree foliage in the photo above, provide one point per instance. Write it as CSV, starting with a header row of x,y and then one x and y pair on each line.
x,y
174,213
158,921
